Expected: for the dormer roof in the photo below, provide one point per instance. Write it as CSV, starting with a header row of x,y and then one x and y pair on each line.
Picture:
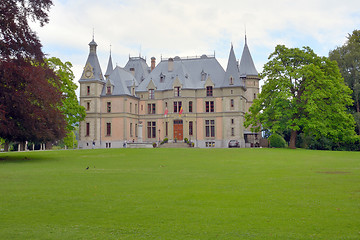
x,y
232,74
109,68
122,82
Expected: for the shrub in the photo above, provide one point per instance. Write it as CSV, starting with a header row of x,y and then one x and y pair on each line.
x,y
277,141
154,145
186,140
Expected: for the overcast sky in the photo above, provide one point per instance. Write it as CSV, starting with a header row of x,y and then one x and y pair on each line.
x,y
193,27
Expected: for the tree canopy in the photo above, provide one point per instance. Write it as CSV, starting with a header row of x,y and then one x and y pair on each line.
x,y
30,92
302,93
348,59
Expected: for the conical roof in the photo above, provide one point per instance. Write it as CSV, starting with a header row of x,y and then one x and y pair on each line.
x,y
92,70
247,66
109,68
232,75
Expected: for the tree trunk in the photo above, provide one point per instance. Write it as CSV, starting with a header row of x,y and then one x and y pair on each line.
x,y
6,146
293,136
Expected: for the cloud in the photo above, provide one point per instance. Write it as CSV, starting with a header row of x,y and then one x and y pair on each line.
x,y
188,27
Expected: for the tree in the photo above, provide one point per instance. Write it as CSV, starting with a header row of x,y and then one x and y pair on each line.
x,y
302,93
70,107
348,59
28,101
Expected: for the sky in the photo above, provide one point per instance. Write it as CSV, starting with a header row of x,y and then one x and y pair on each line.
x,y
169,28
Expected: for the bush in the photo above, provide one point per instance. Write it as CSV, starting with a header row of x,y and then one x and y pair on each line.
x,y
154,145
186,140
277,141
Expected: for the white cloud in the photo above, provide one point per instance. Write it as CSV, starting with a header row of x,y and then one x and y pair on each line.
x,y
189,27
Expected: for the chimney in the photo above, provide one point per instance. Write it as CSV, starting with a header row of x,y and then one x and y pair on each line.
x,y
153,59
170,64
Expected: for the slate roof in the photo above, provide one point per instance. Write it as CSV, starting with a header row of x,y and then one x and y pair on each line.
x,y
247,66
192,73
122,81
94,62
232,71
109,68
141,68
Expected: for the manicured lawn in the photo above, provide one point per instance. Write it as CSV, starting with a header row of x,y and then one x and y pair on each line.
x,y
180,194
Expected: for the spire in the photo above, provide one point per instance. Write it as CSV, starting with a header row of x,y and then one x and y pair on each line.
x,y
109,66
247,66
232,75
92,70
93,44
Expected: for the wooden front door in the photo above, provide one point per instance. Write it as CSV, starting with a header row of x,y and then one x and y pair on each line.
x,y
178,130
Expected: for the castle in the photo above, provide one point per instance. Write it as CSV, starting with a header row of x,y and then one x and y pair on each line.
x,y
192,97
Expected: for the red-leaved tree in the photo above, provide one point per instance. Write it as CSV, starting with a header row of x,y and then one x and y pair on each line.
x,y
29,102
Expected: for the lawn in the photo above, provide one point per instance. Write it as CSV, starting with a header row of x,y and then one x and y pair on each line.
x,y
180,194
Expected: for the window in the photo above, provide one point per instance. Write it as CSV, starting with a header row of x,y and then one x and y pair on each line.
x,y
87,129
210,128
142,107
88,106
190,106
108,107
231,81
151,94
108,129
133,91
108,90
231,103
254,95
209,106
166,129
177,92
254,83
88,90
131,130
232,132
209,91
136,108
231,91
162,77
190,128
130,107
232,121
151,129
151,108
177,106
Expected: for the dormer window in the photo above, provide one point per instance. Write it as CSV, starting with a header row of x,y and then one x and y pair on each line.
x,y
209,91
177,92
203,75
151,94
231,81
108,90
162,77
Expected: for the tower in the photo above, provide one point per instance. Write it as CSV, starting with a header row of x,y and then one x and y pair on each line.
x,y
251,78
91,85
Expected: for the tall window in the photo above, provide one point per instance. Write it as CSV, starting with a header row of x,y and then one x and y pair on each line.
x,y
130,107
166,129
131,130
108,129
254,95
88,90
209,91
232,132
232,121
209,106
190,106
210,128
231,81
231,103
151,94
151,108
108,107
87,129
108,90
177,92
88,106
191,128
151,129
177,106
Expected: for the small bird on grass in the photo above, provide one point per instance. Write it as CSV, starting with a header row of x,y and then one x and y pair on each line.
x,y
87,168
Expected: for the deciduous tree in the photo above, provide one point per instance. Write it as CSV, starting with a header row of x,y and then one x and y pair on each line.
x,y
302,93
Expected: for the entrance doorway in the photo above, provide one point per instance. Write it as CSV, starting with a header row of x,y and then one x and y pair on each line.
x,y
178,130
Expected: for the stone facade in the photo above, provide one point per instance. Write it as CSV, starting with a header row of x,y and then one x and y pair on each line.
x,y
192,97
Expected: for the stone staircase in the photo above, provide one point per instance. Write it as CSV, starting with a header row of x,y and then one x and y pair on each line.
x,y
174,145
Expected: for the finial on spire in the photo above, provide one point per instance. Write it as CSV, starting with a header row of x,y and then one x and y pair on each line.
x,y
93,34
245,35
110,49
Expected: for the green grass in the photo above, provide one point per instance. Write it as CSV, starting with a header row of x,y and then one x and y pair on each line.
x,y
180,194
